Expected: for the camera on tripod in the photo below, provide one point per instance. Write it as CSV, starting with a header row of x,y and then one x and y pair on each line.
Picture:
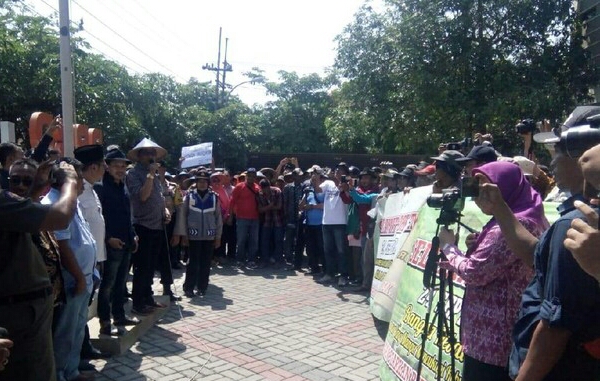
x,y
454,198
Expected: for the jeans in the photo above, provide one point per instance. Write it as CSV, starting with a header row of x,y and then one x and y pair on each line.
x,y
247,234
271,237
335,249
112,286
198,269
314,246
29,326
144,263
68,334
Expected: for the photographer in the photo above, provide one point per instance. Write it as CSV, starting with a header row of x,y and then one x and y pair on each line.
x,y
25,289
560,309
583,238
494,277
447,170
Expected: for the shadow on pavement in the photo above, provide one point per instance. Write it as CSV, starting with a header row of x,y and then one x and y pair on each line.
x,y
213,298
381,327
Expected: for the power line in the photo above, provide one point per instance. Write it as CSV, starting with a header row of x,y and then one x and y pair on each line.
x,y
125,40
100,41
158,21
145,28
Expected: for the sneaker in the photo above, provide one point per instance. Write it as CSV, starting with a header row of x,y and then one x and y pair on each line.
x,y
325,279
342,281
239,265
189,294
251,265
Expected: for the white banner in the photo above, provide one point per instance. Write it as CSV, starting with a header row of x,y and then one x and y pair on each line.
x,y
197,155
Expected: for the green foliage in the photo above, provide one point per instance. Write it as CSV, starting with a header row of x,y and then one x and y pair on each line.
x,y
424,72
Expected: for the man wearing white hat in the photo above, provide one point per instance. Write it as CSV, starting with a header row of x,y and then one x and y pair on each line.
x,y
149,218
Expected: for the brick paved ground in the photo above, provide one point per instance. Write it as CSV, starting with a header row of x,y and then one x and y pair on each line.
x,y
257,325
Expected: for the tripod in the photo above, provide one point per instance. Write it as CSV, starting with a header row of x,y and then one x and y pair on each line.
x,y
445,285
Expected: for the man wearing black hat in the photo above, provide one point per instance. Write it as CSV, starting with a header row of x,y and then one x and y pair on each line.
x,y
92,160
121,241
293,244
149,218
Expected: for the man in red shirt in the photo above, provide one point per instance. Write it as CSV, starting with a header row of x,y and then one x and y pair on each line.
x,y
245,208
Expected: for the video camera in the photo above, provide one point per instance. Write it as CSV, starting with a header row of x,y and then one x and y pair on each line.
x,y
576,140
452,200
526,126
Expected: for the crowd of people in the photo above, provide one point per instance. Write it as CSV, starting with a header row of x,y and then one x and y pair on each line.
x,y
71,226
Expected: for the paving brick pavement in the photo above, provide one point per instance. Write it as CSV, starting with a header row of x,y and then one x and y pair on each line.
x,y
263,324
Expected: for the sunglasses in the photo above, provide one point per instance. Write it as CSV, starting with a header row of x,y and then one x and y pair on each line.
x,y
16,180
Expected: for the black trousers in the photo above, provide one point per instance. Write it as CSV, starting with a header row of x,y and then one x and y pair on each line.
x,y
475,370
144,263
198,269
314,246
228,242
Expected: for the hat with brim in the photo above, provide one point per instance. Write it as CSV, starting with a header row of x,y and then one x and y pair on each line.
x,y
198,176
114,155
146,143
391,174
182,174
367,172
268,172
450,157
407,172
89,154
578,117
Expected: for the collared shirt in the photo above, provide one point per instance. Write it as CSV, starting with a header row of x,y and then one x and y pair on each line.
x,y
81,242
22,269
314,217
561,294
243,201
272,218
116,209
91,208
149,213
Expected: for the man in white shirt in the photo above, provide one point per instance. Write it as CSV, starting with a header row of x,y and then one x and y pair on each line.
x,y
335,218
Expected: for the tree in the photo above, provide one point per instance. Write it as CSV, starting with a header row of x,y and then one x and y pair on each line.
x,y
295,121
436,71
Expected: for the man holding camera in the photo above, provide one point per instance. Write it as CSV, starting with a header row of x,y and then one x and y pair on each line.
x,y
560,309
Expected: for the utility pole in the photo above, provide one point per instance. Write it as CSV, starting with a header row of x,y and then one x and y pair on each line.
x,y
226,67
66,79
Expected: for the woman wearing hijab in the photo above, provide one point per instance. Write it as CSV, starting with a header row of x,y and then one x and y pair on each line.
x,y
494,277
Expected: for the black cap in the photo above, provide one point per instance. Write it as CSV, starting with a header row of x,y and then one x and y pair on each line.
x,y
89,154
482,153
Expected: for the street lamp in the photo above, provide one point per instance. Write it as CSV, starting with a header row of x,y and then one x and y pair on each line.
x,y
253,81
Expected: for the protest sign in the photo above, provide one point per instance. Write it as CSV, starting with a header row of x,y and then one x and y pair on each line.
x,y
196,155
